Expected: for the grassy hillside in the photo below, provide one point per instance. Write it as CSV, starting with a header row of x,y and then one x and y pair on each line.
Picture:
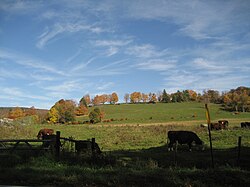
x,y
167,112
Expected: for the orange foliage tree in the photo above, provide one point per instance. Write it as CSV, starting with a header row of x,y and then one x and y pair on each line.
x,y
16,113
144,97
135,97
114,98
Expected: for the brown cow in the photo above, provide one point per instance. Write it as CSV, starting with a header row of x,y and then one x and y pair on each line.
x,y
222,124
44,132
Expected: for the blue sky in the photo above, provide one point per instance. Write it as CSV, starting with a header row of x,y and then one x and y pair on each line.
x,y
65,49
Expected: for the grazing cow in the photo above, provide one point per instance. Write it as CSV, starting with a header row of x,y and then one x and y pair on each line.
x,y
49,137
215,126
183,137
222,124
44,132
85,146
245,124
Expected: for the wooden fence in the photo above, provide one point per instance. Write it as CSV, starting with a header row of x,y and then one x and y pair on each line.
x,y
15,144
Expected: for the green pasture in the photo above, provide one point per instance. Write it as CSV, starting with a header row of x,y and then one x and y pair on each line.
x,y
165,112
135,151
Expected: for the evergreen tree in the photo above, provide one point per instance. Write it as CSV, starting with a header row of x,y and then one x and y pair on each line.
x,y
165,97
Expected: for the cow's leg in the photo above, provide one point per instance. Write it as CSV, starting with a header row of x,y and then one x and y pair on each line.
x,y
190,146
170,146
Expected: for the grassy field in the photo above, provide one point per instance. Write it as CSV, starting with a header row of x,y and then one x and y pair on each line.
x,y
135,151
169,112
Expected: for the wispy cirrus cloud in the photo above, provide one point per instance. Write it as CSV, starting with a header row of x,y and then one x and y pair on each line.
x,y
157,65
105,86
145,51
59,28
113,45
17,94
111,42
81,66
196,19
29,62
20,7
212,67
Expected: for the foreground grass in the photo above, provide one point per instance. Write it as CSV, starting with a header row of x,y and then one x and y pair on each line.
x,y
149,167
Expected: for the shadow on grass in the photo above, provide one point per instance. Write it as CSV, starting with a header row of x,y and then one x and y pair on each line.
x,y
148,167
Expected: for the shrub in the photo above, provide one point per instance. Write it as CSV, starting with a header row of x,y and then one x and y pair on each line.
x,y
96,115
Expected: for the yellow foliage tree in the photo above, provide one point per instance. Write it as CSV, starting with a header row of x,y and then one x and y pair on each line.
x,y
53,115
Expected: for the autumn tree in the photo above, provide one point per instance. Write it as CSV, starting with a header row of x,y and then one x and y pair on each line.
x,y
30,111
96,115
63,111
192,95
211,96
87,99
152,97
103,98
114,98
244,99
96,100
81,110
53,115
144,97
15,113
135,97
83,102
237,99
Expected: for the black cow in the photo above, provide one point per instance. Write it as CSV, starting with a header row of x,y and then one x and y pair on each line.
x,y
86,145
183,137
245,124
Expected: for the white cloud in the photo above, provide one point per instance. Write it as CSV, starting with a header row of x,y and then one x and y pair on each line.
x,y
81,66
112,51
67,86
19,7
17,94
111,42
197,19
145,51
105,86
157,65
200,63
59,28
29,62
113,45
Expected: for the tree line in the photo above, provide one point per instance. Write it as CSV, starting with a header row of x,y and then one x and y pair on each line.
x,y
64,111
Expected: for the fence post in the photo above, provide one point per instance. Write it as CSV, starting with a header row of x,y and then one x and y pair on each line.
x,y
58,144
239,149
209,133
93,147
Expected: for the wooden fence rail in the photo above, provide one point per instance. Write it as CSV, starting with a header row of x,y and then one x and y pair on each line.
x,y
5,144
46,144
